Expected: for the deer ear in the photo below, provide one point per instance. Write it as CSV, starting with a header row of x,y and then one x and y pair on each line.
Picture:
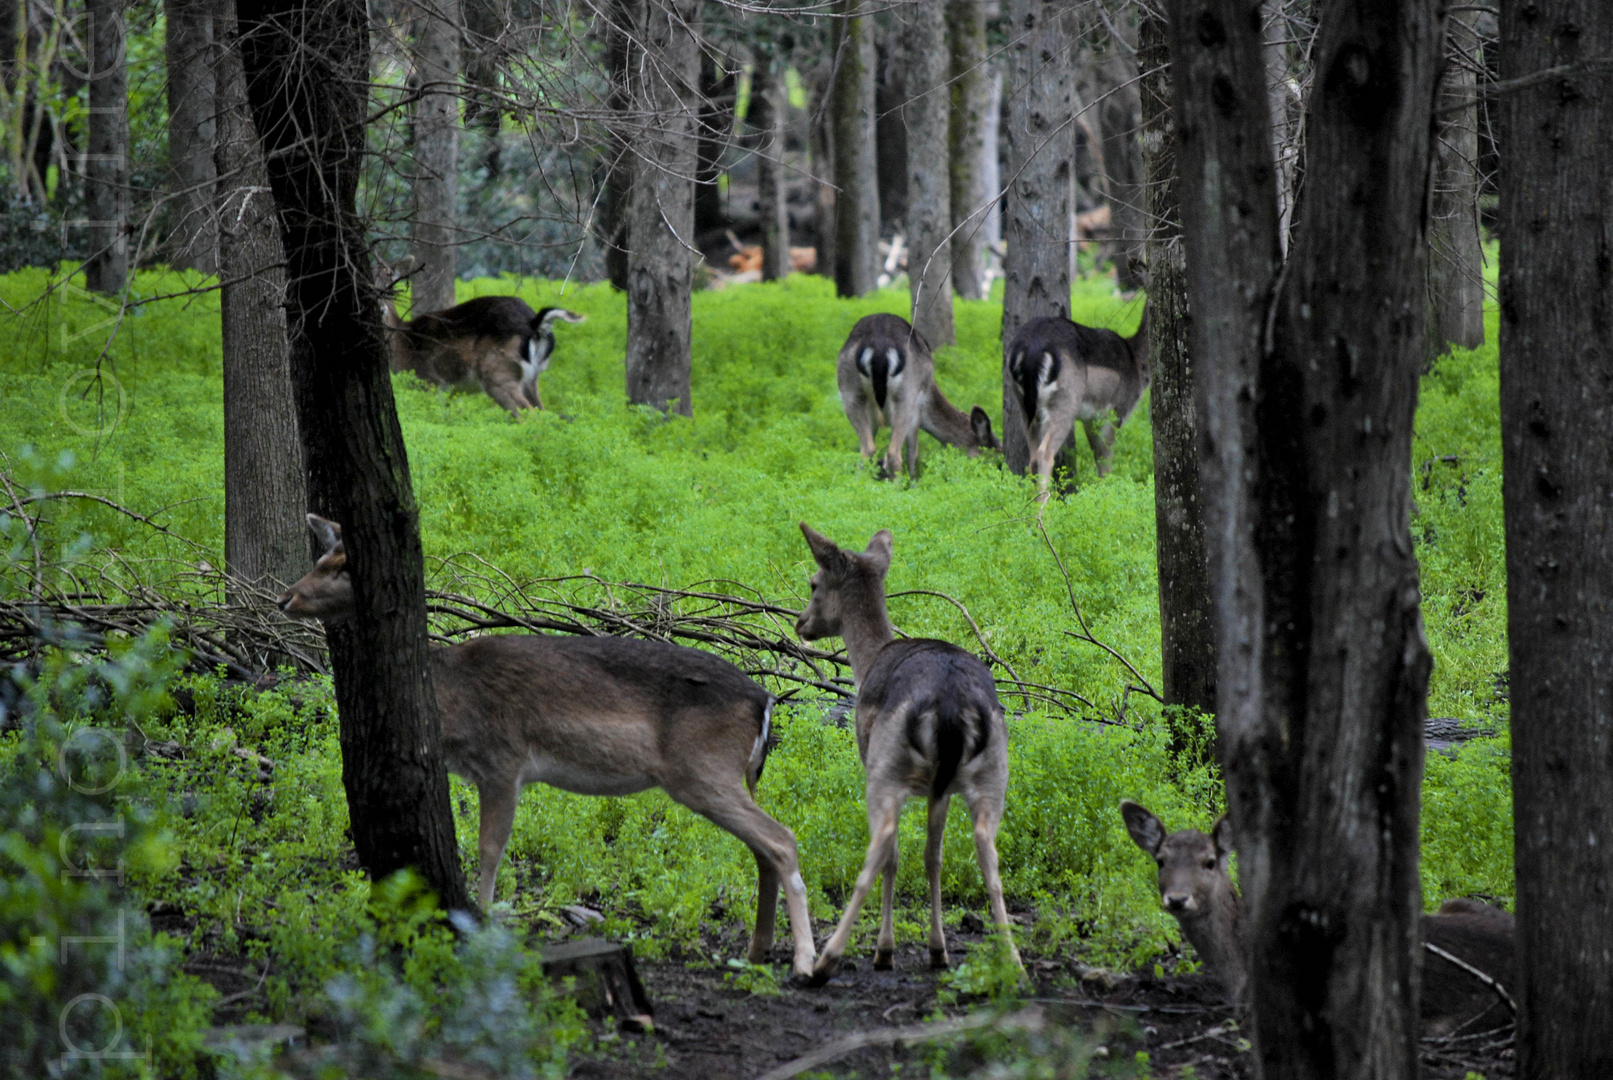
x,y
980,423
328,532
1222,832
824,550
1145,829
878,552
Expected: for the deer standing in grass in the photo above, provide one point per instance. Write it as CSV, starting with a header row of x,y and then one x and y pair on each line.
x,y
1065,372
1463,937
597,716
494,343
928,723
887,374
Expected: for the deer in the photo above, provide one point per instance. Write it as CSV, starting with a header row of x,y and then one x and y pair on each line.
x,y
887,374
1470,945
596,716
1064,372
928,723
495,343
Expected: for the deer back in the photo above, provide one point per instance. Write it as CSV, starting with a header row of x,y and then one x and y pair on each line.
x,y
1062,369
1482,936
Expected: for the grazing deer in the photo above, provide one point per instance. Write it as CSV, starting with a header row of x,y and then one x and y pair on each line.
x,y
928,723
886,373
1464,937
1065,372
495,343
597,716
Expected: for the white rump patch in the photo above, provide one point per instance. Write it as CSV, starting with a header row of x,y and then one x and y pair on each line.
x,y
759,747
894,357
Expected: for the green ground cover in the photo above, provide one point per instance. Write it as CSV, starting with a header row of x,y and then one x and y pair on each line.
x,y
595,485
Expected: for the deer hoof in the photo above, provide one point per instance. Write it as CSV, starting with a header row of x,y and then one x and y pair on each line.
x,y
823,971
884,959
939,960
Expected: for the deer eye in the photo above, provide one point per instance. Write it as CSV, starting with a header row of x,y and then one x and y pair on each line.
x,y
1209,864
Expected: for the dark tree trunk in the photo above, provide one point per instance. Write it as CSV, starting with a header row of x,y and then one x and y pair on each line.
x,y
766,119
716,123
1036,209
890,130
1455,254
436,154
1187,629
1557,462
661,208
966,132
1287,128
1110,82
617,165
106,162
929,188
486,22
856,169
265,537
1306,422
307,71
191,132
823,191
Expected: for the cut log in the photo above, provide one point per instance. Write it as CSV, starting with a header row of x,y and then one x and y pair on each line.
x,y
606,982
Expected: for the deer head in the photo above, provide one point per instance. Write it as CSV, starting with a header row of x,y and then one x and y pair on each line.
x,y
325,592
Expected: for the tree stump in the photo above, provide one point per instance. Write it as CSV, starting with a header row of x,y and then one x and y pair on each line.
x,y
606,982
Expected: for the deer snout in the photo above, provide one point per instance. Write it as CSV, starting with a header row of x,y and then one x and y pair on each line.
x,y
1179,903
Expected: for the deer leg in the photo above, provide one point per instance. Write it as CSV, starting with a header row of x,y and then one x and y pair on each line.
x,y
885,944
507,392
934,835
497,798
864,421
883,815
1102,441
761,939
904,435
987,811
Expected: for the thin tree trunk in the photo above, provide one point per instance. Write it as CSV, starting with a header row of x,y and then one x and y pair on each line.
x,y
661,208
106,163
486,22
991,172
1187,628
1307,425
890,130
1285,119
617,166
1036,209
191,132
716,122
823,172
1455,256
265,538
766,117
971,97
856,169
436,154
1119,115
929,188
1557,470
307,72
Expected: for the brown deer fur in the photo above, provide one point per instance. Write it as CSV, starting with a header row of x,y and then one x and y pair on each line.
x,y
1194,886
887,375
597,716
928,723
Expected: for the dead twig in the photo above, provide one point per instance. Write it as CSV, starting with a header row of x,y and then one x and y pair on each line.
x,y
1024,1020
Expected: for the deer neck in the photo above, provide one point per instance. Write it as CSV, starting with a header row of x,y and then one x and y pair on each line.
x,y
946,422
866,630
1217,935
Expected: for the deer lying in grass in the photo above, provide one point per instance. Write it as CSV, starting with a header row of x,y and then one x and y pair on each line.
x,y
495,343
886,374
928,723
597,716
1065,372
1465,935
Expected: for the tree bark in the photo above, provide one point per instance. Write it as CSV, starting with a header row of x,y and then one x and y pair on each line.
x,y
929,186
1456,256
1557,469
307,72
1187,629
106,163
966,131
661,207
1286,126
1036,209
617,164
890,129
1118,111
716,123
265,538
766,118
856,169
192,132
436,155
823,191
486,22
1306,423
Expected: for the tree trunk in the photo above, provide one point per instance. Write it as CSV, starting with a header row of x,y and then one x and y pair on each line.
x,y
1455,255
766,118
661,208
1187,629
1557,469
929,189
971,97
106,163
890,130
191,133
436,154
1286,126
856,169
1307,425
1036,209
823,191
309,105
617,166
265,537
1119,115
716,124
486,22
